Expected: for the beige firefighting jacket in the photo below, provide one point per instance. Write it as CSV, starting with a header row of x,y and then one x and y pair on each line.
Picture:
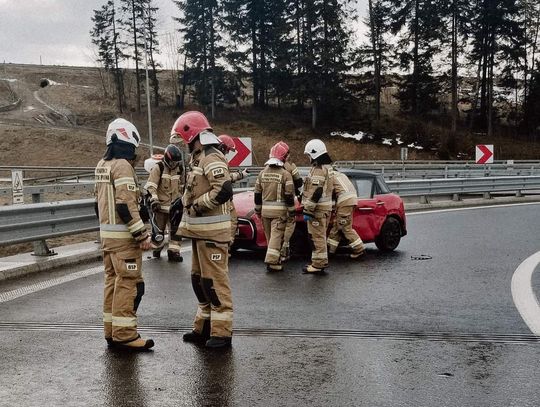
x,y
118,195
274,192
206,197
317,193
344,190
164,186
297,179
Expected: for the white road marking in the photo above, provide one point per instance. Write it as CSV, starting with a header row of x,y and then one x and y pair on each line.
x,y
33,288
524,298
471,208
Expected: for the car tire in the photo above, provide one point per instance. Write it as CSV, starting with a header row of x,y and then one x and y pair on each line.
x,y
390,235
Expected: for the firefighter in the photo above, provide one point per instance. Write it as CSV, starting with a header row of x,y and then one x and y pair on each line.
x,y
164,187
123,237
274,203
346,200
291,220
207,222
227,145
317,201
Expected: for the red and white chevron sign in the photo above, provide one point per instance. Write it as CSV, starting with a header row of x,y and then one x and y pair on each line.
x,y
243,156
484,154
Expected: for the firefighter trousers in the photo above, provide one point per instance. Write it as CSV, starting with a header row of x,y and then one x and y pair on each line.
x,y
317,233
342,228
274,228
163,220
289,230
234,221
124,288
210,281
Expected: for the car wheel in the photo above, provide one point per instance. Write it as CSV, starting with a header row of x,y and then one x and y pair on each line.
x,y
390,235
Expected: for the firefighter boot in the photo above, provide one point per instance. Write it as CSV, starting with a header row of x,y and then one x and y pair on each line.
x,y
309,269
174,256
156,253
216,342
196,337
136,345
274,267
356,255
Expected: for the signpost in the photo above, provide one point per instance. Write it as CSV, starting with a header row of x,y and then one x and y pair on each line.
x,y
243,156
484,154
17,186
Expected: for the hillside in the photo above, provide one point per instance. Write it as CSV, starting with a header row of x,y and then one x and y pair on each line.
x,y
63,123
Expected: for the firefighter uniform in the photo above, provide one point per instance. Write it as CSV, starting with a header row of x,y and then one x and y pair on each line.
x,y
207,222
165,186
317,201
291,220
274,201
346,201
121,231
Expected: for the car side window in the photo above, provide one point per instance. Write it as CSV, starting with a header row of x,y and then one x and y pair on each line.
x,y
364,188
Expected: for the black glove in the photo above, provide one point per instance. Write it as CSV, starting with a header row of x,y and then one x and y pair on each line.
x,y
154,204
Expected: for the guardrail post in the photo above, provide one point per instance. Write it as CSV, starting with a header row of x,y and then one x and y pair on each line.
x,y
456,197
40,246
487,195
424,199
519,194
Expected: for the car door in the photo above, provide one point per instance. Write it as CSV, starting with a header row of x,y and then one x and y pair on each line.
x,y
370,212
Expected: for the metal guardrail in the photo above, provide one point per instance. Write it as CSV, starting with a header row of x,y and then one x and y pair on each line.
x,y
444,169
464,185
40,221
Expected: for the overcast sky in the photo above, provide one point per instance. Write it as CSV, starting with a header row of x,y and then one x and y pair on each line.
x,y
58,30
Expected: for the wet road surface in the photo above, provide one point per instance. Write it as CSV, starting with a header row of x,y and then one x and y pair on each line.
x,y
388,330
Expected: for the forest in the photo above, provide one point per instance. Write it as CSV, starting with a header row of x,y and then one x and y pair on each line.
x,y
460,66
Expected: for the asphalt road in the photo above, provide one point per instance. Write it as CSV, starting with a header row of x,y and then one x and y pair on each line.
x,y
387,330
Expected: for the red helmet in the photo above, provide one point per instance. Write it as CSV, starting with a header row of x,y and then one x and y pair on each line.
x,y
189,125
280,151
227,142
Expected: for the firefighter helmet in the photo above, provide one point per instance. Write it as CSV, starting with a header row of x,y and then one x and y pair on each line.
x,y
315,148
189,125
120,130
172,156
227,142
279,151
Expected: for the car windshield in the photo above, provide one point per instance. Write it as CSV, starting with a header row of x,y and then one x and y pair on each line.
x,y
364,186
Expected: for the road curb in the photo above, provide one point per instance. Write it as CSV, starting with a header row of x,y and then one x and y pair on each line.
x,y
49,263
469,203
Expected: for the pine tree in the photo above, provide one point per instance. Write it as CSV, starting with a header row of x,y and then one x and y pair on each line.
x,y
149,22
106,37
498,39
419,24
202,46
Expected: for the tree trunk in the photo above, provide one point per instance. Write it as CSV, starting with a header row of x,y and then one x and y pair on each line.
x,y
454,69
134,26
376,63
414,99
212,64
184,83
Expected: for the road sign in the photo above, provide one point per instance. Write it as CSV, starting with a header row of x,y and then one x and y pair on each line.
x,y
17,186
243,156
484,154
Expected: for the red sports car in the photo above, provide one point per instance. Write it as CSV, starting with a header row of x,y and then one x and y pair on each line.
x,y
379,216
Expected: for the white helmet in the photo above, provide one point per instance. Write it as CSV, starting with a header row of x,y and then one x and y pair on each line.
x,y
122,130
315,148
